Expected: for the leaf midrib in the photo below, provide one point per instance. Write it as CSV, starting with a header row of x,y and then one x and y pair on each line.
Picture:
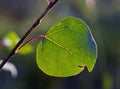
x,y
61,46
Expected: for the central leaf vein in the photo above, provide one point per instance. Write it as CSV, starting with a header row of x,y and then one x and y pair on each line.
x,y
61,46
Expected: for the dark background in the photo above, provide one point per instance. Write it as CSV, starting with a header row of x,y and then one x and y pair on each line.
x,y
102,16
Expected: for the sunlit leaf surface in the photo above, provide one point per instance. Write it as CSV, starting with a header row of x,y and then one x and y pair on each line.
x,y
67,49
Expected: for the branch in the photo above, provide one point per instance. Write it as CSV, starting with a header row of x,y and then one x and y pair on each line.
x,y
38,21
47,2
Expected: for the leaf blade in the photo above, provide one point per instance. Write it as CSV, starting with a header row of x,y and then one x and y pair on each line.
x,y
72,39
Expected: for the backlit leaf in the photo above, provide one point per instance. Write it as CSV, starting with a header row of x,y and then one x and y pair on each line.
x,y
68,47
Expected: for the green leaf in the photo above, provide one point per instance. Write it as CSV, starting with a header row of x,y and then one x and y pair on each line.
x,y
11,39
67,49
26,50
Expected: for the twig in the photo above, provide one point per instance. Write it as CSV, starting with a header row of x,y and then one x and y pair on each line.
x,y
47,2
39,19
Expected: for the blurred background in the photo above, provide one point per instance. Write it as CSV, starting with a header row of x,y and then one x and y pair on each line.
x,y
103,18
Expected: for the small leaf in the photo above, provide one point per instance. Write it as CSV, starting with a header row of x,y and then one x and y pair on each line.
x,y
27,49
67,48
11,39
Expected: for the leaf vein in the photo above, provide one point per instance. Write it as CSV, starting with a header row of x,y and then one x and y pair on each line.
x,y
61,46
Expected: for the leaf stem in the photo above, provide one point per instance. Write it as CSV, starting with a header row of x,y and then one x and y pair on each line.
x,y
29,41
35,24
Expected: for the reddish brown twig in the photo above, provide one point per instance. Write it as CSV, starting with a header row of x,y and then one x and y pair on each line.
x,y
39,19
47,2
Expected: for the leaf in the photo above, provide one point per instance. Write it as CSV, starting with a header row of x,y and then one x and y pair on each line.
x,y
27,49
11,39
67,48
